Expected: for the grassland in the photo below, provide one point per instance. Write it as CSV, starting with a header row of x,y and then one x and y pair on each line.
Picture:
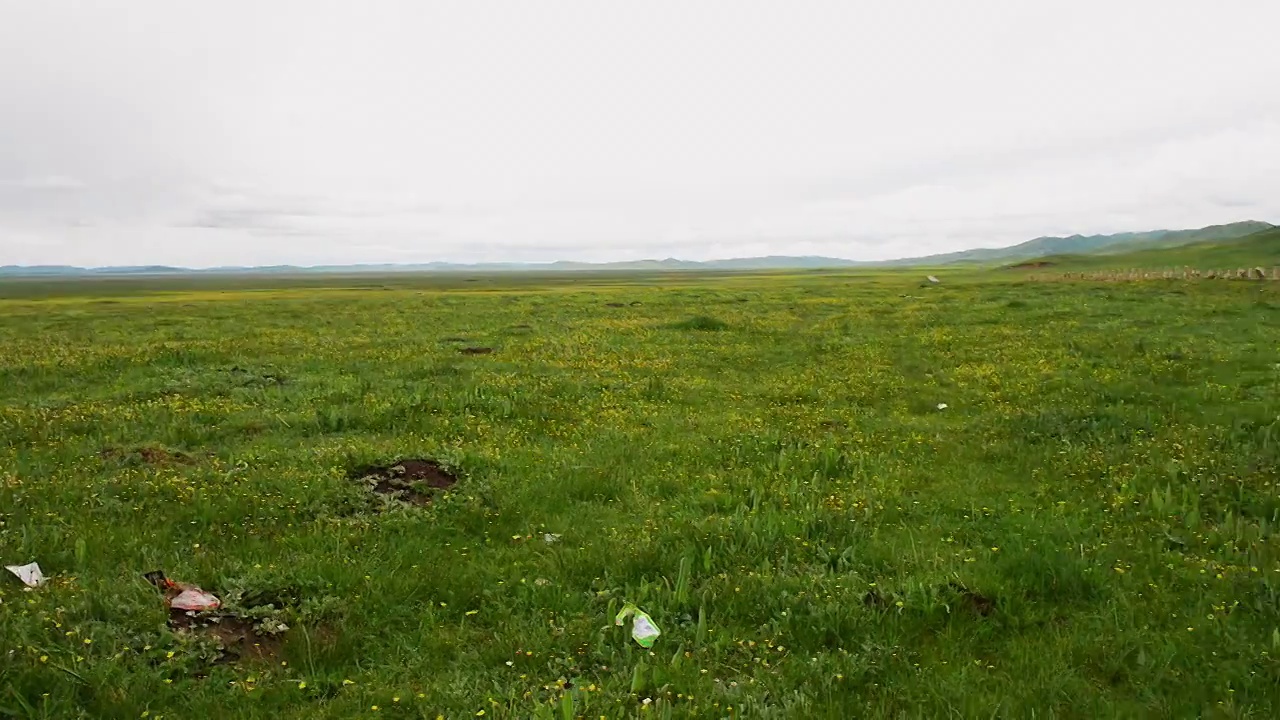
x,y
1087,529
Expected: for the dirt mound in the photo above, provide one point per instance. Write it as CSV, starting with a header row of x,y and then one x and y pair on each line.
x,y
238,639
409,481
428,471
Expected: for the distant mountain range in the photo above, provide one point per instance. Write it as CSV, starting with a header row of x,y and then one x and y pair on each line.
x,y
1031,249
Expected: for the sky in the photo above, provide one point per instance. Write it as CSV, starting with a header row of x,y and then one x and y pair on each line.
x,y
264,132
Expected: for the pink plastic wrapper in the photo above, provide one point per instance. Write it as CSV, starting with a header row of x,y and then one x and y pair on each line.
x,y
195,599
182,596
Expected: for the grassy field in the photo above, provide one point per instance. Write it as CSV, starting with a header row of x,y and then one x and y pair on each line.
x,y
762,463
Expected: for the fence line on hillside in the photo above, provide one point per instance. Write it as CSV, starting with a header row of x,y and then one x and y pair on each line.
x,y
1185,273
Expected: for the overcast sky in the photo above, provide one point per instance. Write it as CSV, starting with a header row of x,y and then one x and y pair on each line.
x,y
212,133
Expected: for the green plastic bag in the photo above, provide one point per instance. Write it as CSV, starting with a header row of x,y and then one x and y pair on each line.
x,y
643,629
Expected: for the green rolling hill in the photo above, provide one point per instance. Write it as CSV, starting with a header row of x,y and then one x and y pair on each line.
x,y
1260,249
1091,244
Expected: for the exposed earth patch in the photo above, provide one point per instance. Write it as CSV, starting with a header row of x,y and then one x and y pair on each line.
x,y
411,481
238,639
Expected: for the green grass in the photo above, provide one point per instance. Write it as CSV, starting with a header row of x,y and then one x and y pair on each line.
x,y
702,323
1086,530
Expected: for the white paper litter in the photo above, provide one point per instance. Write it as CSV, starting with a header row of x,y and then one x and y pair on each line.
x,y
29,574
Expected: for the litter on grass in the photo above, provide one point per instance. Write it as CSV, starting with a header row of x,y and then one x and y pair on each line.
x,y
942,406
197,612
643,629
550,538
29,574
183,596
194,599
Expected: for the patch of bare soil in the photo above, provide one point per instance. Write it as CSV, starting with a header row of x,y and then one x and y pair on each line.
x,y
476,350
409,481
1031,264
237,637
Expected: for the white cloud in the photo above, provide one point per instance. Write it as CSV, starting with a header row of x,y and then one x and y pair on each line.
x,y
300,132
47,183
